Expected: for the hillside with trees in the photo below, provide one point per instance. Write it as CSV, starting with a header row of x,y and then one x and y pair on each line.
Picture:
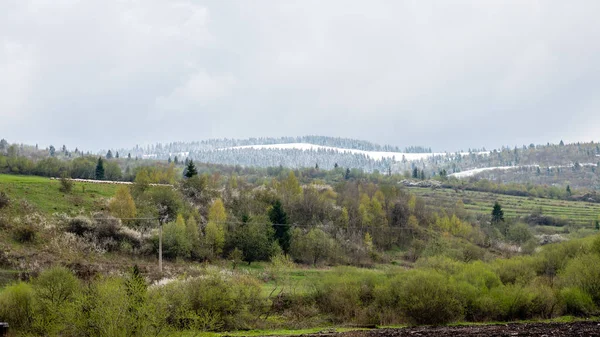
x,y
247,247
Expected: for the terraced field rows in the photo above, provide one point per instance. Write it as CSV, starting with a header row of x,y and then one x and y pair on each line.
x,y
579,213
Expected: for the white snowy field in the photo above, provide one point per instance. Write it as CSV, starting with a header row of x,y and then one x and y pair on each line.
x,y
376,155
472,172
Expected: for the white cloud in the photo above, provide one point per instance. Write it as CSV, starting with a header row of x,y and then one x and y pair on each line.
x,y
16,71
196,91
399,72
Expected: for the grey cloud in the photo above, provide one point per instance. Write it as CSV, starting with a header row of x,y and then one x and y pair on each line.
x,y
449,75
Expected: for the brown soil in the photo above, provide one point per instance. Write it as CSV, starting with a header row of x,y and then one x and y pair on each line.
x,y
584,328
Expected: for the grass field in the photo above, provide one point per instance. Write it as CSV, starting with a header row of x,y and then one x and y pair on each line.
x,y
578,213
44,195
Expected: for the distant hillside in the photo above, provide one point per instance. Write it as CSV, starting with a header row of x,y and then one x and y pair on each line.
x,y
296,152
577,165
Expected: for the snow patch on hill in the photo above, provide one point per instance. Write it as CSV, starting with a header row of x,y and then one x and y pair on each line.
x,y
472,172
375,155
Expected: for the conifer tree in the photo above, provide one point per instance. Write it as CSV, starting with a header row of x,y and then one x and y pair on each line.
x,y
279,220
109,154
190,169
497,213
100,169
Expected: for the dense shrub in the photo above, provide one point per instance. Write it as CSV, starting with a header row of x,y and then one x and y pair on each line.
x,y
79,225
55,290
519,234
25,233
213,302
553,258
346,293
577,302
426,297
512,301
105,231
584,273
66,185
544,301
518,270
16,305
4,200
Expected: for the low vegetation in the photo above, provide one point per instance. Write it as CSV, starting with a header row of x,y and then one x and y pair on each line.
x,y
439,290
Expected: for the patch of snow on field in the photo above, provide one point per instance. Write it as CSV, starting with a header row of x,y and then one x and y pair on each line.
x,y
376,155
470,173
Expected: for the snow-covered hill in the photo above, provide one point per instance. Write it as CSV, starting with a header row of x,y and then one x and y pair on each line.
x,y
375,155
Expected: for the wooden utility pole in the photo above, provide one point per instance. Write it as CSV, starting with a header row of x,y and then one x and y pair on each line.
x,y
160,227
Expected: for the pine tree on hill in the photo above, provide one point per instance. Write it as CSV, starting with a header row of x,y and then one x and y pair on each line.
x,y
100,169
279,220
109,154
190,169
497,213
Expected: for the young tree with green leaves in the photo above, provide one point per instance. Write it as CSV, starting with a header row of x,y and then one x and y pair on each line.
x,y
214,233
122,204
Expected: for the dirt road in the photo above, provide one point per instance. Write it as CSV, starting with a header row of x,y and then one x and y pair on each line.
x,y
587,328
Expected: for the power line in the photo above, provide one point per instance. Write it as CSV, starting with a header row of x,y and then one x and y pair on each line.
x,y
281,225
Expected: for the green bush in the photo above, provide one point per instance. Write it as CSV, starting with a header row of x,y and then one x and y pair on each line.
x,y
16,305
553,258
519,233
577,302
346,294
55,290
427,297
66,185
513,302
518,270
213,302
596,244
544,301
583,272
112,306
483,308
55,286
480,275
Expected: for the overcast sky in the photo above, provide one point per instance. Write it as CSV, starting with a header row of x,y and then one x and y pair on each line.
x,y
446,74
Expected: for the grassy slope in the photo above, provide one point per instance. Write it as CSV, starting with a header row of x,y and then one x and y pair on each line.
x,y
580,213
44,195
